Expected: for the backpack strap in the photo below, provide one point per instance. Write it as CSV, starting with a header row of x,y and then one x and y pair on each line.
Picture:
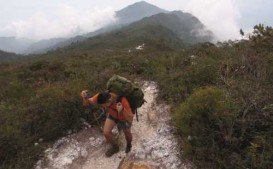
x,y
144,101
133,110
136,115
110,107
119,99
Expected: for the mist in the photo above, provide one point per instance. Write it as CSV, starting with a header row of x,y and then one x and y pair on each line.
x,y
68,21
219,16
222,17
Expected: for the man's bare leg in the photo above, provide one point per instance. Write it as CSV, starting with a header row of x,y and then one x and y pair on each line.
x,y
107,131
128,137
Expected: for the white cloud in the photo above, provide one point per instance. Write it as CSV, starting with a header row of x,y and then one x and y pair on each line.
x,y
219,16
68,22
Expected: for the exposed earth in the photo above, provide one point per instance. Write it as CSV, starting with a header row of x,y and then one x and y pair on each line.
x,y
154,144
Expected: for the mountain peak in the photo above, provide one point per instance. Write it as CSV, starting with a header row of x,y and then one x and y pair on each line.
x,y
141,3
137,11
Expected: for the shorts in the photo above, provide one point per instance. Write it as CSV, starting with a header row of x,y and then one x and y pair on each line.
x,y
121,125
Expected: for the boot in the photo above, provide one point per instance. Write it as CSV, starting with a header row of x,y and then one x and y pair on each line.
x,y
128,148
114,149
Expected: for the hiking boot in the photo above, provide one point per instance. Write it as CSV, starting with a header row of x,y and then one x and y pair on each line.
x,y
114,149
128,148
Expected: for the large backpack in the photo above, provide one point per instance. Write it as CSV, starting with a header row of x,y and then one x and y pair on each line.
x,y
125,88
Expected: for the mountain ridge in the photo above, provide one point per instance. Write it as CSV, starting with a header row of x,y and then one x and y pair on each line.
x,y
185,25
125,16
167,30
131,14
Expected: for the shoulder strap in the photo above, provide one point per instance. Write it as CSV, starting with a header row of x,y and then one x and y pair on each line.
x,y
136,115
119,99
115,110
134,111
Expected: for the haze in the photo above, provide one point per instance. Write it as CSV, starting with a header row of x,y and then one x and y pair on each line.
x,y
65,18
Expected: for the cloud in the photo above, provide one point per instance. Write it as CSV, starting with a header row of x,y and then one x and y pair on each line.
x,y
68,22
219,16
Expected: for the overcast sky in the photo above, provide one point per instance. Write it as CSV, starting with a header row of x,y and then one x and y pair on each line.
x,y
40,19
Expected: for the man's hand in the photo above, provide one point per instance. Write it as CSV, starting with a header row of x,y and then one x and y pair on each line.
x,y
119,107
84,94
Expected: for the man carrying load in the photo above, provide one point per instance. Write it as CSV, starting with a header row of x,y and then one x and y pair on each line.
x,y
120,101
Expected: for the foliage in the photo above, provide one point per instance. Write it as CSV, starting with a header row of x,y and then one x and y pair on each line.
x,y
205,121
222,95
231,126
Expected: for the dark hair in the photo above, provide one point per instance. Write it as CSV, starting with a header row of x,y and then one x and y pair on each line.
x,y
103,97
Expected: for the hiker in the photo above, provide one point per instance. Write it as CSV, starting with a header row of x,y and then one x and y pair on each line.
x,y
119,113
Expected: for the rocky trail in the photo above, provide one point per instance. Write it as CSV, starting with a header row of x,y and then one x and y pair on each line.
x,y
154,145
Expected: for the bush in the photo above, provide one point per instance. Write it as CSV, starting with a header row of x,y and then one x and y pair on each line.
x,y
205,122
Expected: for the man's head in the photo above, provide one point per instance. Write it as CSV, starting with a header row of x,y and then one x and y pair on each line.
x,y
104,98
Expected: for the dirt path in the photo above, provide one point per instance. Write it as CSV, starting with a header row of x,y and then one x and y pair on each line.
x,y
154,145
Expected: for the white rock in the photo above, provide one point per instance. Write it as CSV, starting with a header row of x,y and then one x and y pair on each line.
x,y
189,138
48,150
168,165
157,154
84,153
166,154
140,47
91,139
87,124
140,154
69,132
174,166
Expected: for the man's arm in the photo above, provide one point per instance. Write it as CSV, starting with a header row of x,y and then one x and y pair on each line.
x,y
129,116
127,111
88,101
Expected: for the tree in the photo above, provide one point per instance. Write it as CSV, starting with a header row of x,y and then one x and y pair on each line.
x,y
242,32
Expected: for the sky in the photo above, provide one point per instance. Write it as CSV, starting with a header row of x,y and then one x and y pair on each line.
x,y
41,19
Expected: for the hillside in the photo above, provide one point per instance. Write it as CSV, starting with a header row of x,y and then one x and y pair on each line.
x,y
220,96
15,45
6,56
154,36
125,16
186,27
176,29
42,46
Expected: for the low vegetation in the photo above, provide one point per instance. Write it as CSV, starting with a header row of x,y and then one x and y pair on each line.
x,y
221,96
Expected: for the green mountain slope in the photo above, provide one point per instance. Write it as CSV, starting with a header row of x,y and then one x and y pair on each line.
x,y
43,45
154,36
6,56
184,25
174,30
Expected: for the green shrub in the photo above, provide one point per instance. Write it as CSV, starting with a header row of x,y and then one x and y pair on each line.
x,y
202,72
205,123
